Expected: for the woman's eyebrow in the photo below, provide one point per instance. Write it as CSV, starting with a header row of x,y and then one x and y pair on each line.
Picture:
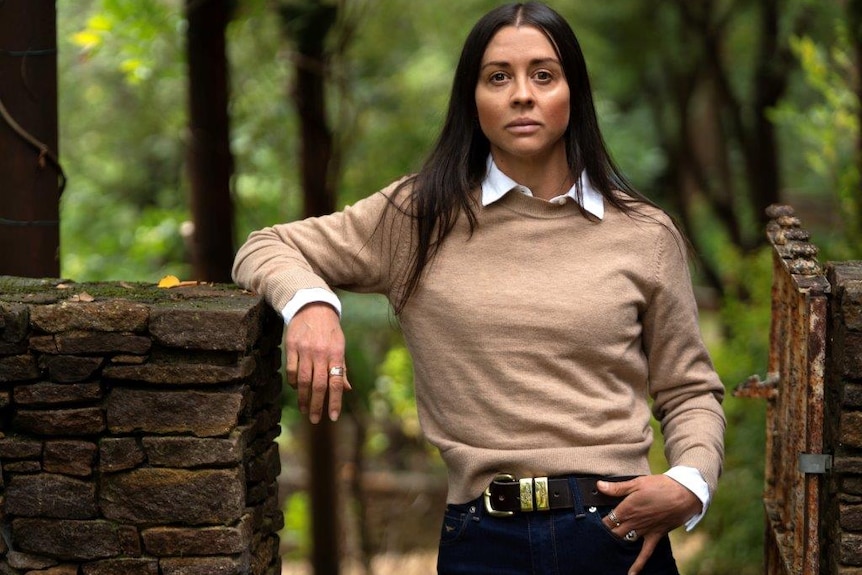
x,y
533,62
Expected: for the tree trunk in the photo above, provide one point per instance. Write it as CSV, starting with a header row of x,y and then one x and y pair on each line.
x,y
308,23
210,163
770,84
309,96
31,179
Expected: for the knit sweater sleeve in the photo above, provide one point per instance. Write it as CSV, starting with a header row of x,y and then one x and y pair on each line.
x,y
686,390
360,249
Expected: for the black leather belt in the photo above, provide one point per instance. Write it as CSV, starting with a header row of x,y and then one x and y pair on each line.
x,y
507,495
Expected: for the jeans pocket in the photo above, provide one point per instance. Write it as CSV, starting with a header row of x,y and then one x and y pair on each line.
x,y
613,554
597,518
455,521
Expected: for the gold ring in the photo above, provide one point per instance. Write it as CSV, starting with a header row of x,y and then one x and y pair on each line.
x,y
614,519
336,371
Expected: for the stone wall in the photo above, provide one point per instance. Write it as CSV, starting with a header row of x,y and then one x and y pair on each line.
x,y
842,521
137,430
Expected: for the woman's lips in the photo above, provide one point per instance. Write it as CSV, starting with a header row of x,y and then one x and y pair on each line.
x,y
523,126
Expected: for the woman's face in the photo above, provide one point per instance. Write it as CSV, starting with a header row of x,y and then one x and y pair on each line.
x,y
522,96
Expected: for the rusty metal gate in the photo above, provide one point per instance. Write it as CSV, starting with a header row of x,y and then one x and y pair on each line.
x,y
794,387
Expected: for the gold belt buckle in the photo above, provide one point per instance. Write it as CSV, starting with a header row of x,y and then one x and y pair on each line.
x,y
541,485
526,493
487,496
532,495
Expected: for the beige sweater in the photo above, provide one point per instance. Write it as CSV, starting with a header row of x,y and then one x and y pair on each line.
x,y
536,342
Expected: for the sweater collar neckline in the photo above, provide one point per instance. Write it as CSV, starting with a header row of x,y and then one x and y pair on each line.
x,y
496,184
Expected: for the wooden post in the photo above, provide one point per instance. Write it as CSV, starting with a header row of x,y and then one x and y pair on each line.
x,y
311,22
30,176
319,199
210,160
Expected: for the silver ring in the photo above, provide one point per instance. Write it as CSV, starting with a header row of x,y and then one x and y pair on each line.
x,y
631,535
336,371
613,517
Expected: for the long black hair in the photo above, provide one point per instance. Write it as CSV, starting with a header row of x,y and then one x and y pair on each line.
x,y
441,191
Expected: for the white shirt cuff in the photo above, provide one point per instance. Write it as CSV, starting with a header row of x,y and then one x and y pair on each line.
x,y
306,296
691,479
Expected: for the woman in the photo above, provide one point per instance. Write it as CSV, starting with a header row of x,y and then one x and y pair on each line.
x,y
543,301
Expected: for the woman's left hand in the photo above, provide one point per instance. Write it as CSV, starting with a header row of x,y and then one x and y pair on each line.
x,y
653,506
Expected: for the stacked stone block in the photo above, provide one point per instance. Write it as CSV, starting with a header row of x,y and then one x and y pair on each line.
x,y
137,430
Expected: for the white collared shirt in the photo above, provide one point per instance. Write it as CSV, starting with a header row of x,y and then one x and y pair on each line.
x,y
497,184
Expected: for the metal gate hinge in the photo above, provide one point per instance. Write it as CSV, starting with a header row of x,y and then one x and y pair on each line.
x,y
818,463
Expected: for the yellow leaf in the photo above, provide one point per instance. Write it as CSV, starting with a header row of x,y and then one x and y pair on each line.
x,y
86,39
169,282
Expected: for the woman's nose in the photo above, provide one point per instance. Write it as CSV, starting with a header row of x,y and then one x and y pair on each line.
x,y
522,93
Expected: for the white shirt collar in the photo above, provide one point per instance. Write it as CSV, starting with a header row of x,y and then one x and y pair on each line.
x,y
497,184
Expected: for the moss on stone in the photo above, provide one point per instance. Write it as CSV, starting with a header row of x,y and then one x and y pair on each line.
x,y
204,296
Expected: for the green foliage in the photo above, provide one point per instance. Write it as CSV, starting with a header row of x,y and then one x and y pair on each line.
x,y
121,140
264,137
381,374
134,35
394,389
396,90
738,340
123,127
295,535
824,123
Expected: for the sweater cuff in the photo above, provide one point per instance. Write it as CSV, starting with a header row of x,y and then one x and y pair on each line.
x,y
691,479
306,296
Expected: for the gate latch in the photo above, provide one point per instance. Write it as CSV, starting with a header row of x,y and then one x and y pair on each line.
x,y
818,463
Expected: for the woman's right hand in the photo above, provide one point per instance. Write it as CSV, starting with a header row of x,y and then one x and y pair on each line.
x,y
314,344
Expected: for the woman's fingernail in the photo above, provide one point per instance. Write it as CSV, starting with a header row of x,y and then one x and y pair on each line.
x,y
333,415
314,418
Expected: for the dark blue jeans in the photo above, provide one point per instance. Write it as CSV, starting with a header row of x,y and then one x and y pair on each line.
x,y
557,542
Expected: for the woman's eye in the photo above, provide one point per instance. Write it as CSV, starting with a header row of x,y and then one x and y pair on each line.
x,y
498,77
543,76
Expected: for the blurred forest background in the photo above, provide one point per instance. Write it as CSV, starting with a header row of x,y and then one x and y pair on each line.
x,y
714,108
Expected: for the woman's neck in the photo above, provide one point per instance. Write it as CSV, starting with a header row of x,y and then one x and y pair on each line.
x,y
546,178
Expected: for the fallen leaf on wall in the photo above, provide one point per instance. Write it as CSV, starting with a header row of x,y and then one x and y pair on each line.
x,y
83,297
169,282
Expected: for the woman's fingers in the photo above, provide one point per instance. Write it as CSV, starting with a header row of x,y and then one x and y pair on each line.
x,y
337,385
653,506
314,349
651,541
